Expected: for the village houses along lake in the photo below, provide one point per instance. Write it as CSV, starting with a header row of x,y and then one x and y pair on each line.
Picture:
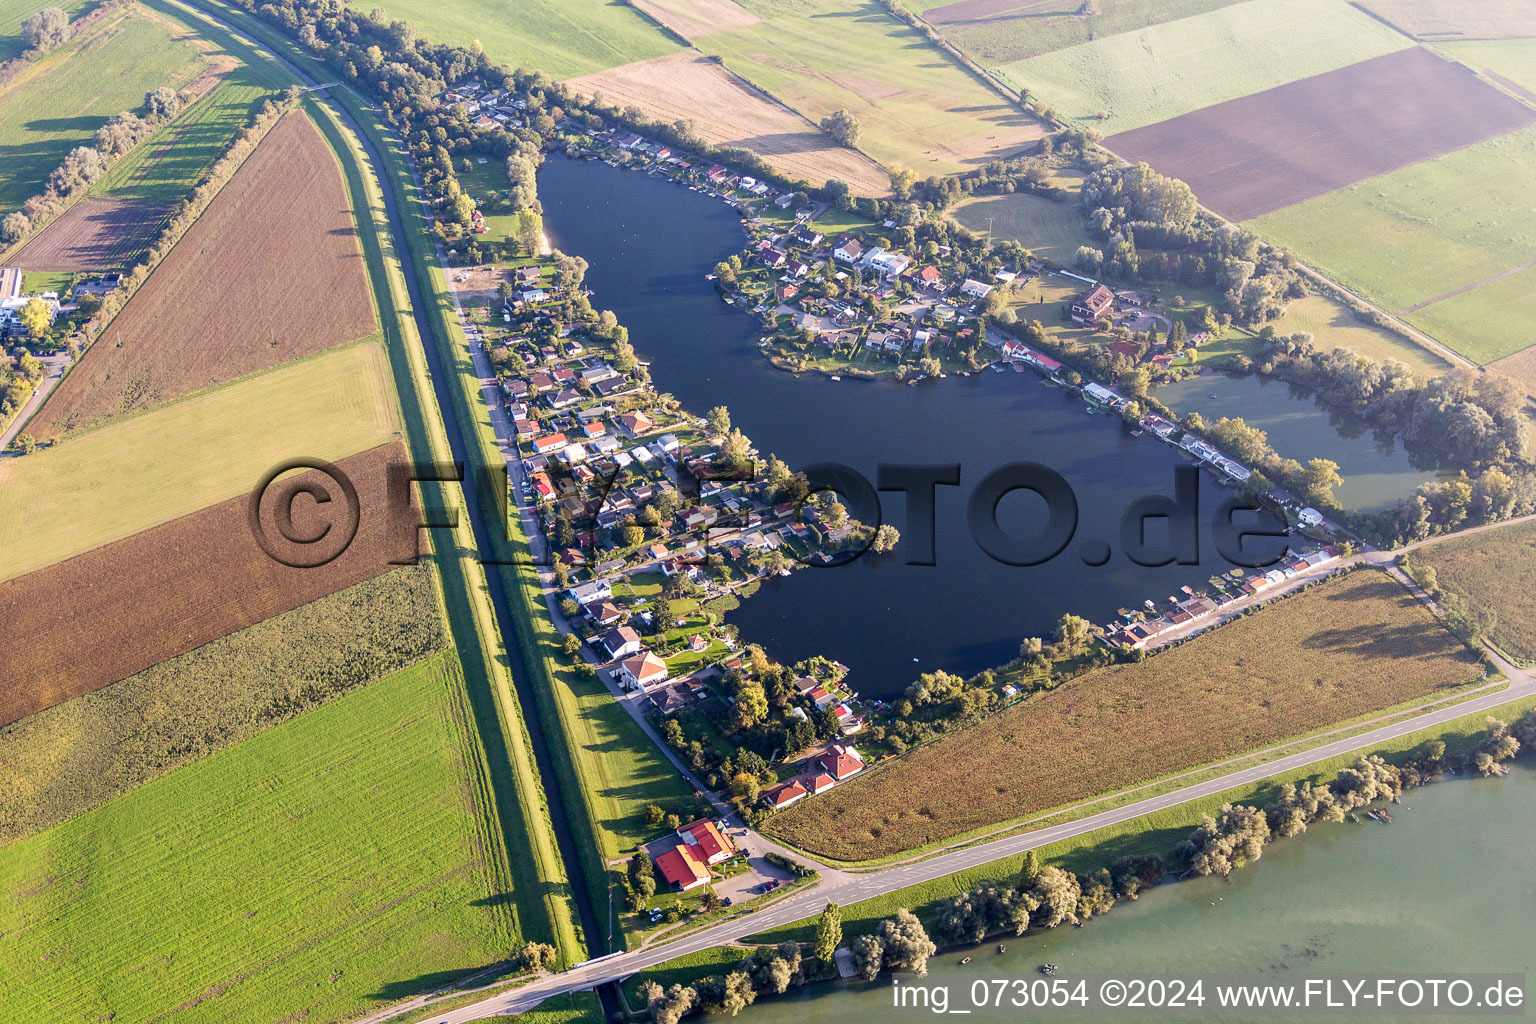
x,y
650,243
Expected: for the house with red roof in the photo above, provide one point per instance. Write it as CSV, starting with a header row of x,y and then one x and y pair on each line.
x,y
841,762
644,669
787,795
682,869
707,841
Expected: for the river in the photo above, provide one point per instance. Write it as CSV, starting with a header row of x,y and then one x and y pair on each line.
x,y
650,243
1446,888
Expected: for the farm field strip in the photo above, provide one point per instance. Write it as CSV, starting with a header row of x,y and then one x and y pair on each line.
x,y
1488,322
692,19
113,482
1252,156
80,754
318,867
1166,70
728,112
88,622
1333,325
1345,648
918,108
562,38
13,12
1419,232
58,103
1438,20
1494,570
212,311
996,33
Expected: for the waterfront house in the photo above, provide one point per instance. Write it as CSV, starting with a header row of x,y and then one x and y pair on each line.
x,y
1092,305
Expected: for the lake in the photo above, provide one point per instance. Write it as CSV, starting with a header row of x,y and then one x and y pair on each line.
x,y
1378,470
1446,888
650,243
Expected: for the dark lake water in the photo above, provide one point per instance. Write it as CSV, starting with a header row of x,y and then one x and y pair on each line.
x,y
650,243
1378,470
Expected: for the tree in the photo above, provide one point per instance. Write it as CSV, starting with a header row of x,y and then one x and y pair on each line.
x,y
1055,895
829,933
842,126
1029,871
745,789
836,515
24,443
36,316
653,815
162,103
886,538
47,29
906,943
751,705
719,421
868,956
709,899
1322,476
571,643
530,231
1073,633
15,226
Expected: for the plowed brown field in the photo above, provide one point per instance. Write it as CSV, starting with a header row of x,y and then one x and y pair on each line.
x,y
729,112
1261,153
270,271
95,234
77,626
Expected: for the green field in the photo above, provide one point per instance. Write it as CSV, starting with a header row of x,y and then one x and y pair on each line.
x,y
13,12
58,103
326,867
1494,570
1156,73
78,755
1332,325
1409,236
1002,40
169,164
917,106
562,38
105,484
1050,228
1514,59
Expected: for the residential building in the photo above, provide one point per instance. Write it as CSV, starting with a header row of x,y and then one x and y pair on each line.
x,y
641,670
1093,304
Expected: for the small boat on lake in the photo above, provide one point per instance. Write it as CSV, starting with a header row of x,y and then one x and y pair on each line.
x,y
1047,968
966,960
1002,948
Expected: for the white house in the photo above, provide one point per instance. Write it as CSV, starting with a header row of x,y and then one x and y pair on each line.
x,y
641,670
887,264
975,289
849,252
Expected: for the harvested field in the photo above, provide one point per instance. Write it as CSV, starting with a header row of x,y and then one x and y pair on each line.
x,y
126,477
94,234
75,627
1521,366
727,111
979,10
268,273
692,19
1443,20
74,756
918,107
1252,156
1492,571
1130,80
1343,649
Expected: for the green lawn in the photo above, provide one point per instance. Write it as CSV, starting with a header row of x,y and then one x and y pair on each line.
x,y
1001,40
485,184
1487,323
109,483
321,869
58,103
917,106
1156,73
13,12
1409,236
1334,325
563,38
1051,228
